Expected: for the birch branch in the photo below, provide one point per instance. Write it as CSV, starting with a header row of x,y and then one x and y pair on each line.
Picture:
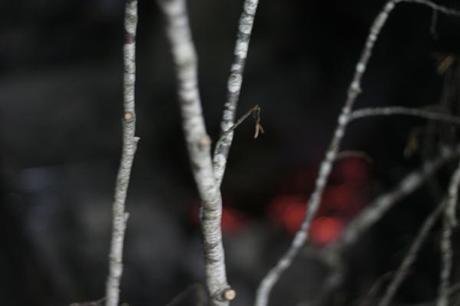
x,y
449,222
234,83
120,216
411,255
199,146
376,210
400,110
354,90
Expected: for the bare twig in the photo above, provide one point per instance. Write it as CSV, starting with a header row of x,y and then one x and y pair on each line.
x,y
199,146
446,262
255,111
449,222
377,209
235,81
411,255
453,290
375,288
436,7
400,110
453,197
354,90
120,216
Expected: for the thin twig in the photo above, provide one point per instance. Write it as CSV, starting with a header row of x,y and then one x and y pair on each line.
x,y
377,209
120,216
199,148
451,208
449,222
255,111
436,7
354,90
375,288
400,110
235,81
453,290
411,255
446,262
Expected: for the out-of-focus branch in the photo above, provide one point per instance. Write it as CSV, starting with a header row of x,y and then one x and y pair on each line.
x,y
199,148
453,197
377,209
449,222
354,90
400,110
446,261
436,7
120,216
411,255
235,81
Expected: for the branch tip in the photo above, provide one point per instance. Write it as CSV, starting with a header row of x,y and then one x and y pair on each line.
x,y
228,294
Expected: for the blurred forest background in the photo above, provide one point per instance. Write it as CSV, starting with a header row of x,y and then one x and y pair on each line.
x,y
60,144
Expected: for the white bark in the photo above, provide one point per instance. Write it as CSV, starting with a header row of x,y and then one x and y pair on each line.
x,y
235,81
120,216
199,146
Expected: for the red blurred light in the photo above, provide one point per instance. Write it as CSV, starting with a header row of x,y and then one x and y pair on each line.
x,y
325,230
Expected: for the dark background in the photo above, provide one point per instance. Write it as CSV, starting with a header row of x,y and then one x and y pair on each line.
x,y
60,104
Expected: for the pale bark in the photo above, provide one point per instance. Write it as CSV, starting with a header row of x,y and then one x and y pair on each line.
x,y
120,216
199,148
234,84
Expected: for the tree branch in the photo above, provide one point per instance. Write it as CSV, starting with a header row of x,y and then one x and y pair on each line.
x,y
411,255
199,146
376,210
449,222
354,90
235,81
400,110
436,7
128,151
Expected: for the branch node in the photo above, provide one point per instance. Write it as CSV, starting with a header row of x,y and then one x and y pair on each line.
x,y
128,116
228,294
